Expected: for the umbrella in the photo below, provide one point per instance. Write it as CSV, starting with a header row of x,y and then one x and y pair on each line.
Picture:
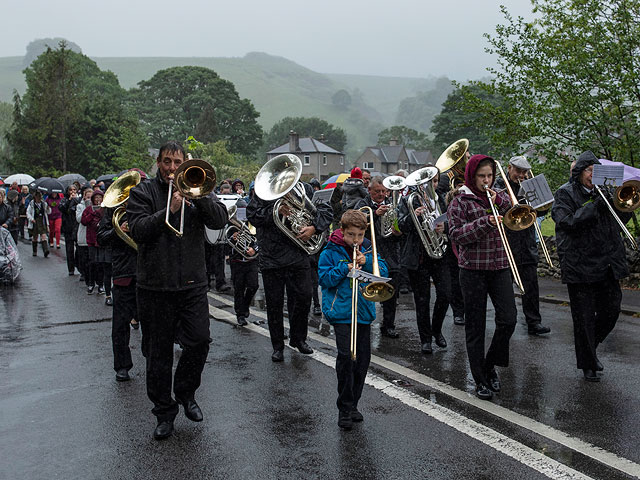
x,y
70,178
106,178
49,185
21,178
333,181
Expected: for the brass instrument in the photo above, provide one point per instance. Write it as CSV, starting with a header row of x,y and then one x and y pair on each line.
x,y
626,197
245,238
389,221
453,160
507,248
519,217
626,232
354,308
375,291
117,195
434,243
194,178
279,179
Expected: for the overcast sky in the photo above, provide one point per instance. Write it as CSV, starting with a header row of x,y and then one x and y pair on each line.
x,y
414,38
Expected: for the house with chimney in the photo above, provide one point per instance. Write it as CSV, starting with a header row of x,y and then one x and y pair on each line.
x,y
388,159
319,160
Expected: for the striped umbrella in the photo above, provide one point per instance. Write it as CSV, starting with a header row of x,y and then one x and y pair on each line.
x,y
332,182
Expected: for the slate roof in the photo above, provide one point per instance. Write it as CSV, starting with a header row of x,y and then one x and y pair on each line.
x,y
306,145
391,153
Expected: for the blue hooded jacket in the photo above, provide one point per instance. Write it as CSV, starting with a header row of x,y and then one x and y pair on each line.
x,y
336,286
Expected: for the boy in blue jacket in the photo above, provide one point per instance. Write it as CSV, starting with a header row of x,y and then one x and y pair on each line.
x,y
333,267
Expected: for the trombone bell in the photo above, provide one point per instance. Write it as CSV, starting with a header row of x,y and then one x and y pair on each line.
x,y
627,196
519,217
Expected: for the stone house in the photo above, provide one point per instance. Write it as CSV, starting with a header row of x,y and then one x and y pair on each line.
x,y
388,159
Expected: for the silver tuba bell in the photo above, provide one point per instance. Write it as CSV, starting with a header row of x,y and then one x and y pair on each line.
x,y
389,221
434,243
279,179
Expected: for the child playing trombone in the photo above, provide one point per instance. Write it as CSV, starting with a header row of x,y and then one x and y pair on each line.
x,y
336,261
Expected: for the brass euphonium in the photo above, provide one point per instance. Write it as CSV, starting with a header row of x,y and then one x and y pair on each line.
x,y
434,243
278,179
194,178
389,221
245,238
117,195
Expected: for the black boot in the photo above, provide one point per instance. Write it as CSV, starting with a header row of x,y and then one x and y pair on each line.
x,y
35,248
45,248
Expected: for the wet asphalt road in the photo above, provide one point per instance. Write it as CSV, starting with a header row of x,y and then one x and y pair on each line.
x,y
62,415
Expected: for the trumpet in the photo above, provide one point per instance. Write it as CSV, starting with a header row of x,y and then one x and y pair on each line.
x,y
245,237
194,178
117,195
434,243
389,221
503,237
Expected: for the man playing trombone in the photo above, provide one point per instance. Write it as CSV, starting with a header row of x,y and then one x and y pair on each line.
x,y
525,251
484,270
592,261
172,285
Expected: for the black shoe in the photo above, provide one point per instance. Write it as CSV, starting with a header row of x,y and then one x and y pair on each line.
x,y
302,347
122,375
426,348
404,291
590,375
494,381
163,430
223,288
389,332
599,366
277,356
441,341
458,320
356,416
317,311
81,278
191,410
483,392
241,320
90,290
100,290
538,329
71,274
108,301
344,420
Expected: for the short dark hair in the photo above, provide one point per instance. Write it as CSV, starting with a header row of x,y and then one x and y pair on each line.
x,y
171,147
353,218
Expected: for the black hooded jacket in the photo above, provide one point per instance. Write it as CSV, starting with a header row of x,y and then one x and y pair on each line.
x,y
68,209
588,237
167,262
276,249
123,257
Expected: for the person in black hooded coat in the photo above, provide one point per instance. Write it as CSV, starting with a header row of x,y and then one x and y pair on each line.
x,y
592,261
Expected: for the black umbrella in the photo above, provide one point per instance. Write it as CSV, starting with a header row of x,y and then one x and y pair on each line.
x,y
49,185
106,178
70,178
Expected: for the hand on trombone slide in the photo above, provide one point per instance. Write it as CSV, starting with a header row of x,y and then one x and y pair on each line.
x,y
492,220
176,202
360,260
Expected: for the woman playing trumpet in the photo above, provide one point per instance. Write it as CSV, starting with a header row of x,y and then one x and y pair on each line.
x,y
484,271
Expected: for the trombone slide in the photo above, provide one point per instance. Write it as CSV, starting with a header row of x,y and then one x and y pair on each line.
x,y
354,308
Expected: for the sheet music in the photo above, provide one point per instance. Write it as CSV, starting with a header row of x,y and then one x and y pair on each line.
x,y
536,191
608,175
322,196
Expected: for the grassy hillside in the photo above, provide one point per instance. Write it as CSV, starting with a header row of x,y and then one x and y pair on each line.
x,y
277,87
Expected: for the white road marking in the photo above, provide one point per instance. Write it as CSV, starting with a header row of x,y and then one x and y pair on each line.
x,y
605,457
513,449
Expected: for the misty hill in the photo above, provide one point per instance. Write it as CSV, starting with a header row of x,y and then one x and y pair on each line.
x,y
277,87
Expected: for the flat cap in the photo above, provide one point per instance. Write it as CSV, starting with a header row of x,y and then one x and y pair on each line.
x,y
520,162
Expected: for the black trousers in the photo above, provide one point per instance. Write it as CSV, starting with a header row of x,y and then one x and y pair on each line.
x,y
297,282
421,286
83,261
159,314
124,309
531,298
215,263
245,285
313,264
476,285
389,307
595,308
456,300
70,248
351,375
95,270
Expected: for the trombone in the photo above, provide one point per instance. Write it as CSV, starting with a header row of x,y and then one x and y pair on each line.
x,y
519,217
117,195
624,204
194,178
543,244
354,307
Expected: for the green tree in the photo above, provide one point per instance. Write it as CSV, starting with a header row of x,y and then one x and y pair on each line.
x,y
72,118
226,164
180,101
314,127
405,136
6,118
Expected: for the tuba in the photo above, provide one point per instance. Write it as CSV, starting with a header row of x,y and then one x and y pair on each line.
x,y
194,178
453,160
245,238
117,195
434,243
389,221
278,179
